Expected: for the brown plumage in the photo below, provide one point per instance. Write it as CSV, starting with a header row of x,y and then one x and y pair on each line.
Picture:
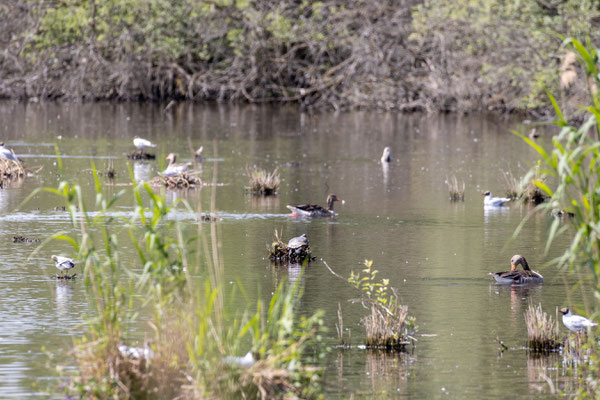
x,y
313,210
518,276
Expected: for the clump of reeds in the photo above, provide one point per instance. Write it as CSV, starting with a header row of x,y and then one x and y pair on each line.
x,y
339,326
179,181
542,330
524,188
455,190
11,170
513,185
263,182
385,326
140,154
388,325
279,252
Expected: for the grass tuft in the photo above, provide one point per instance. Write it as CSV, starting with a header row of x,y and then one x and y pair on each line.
x,y
263,182
542,330
457,193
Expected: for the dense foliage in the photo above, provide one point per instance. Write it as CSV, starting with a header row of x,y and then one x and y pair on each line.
x,y
394,54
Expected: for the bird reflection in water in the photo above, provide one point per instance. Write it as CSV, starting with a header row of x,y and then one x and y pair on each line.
x,y
64,294
142,171
519,296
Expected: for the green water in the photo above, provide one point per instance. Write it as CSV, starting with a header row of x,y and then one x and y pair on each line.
x,y
435,252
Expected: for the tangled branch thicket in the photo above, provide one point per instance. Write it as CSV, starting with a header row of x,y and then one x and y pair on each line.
x,y
394,54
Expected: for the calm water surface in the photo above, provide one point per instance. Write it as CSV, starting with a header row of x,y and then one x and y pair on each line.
x,y
436,252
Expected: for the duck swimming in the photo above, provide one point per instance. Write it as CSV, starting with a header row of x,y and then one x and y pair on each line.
x,y
312,210
489,201
514,276
175,168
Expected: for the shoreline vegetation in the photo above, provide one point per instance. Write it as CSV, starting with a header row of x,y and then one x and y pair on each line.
x,y
406,55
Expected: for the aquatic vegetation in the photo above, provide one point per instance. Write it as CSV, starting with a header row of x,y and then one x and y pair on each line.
x,y
455,190
525,187
194,327
280,252
179,181
542,330
388,326
263,182
10,170
140,154
572,166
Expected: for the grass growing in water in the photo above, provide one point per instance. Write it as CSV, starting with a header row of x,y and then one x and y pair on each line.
x,y
263,182
542,330
193,326
455,190
388,325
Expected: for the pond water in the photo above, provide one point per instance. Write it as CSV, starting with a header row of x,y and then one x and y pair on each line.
x,y
437,253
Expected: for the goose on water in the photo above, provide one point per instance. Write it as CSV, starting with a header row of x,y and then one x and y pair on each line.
x,y
313,210
386,157
489,201
63,263
575,323
7,154
175,168
140,143
526,275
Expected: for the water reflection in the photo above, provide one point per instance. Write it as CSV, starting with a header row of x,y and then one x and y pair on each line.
x,y
64,295
264,203
519,296
142,171
543,373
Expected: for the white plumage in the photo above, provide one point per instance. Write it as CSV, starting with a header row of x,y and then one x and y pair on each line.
x,y
63,263
245,361
175,168
140,143
575,323
489,201
137,353
7,154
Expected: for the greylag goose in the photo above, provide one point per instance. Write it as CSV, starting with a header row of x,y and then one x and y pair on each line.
x,y
518,276
313,210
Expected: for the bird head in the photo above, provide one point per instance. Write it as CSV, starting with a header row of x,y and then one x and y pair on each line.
x,y
564,310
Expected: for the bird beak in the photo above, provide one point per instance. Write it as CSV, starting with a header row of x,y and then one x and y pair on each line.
x,y
512,267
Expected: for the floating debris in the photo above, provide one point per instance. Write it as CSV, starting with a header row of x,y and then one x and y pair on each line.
x,y
263,182
23,239
140,154
179,181
295,251
208,218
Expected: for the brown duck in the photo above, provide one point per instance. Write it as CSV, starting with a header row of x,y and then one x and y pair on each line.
x,y
313,210
518,276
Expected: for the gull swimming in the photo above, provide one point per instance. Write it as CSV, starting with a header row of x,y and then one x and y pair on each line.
x,y
140,143
518,276
313,210
575,323
175,168
7,154
489,201
386,157
63,263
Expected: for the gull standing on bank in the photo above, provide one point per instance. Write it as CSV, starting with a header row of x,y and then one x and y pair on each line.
x,y
575,323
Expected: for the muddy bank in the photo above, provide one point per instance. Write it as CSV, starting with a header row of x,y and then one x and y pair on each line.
x,y
394,55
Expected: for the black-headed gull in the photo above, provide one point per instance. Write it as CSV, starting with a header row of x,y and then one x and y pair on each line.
x,y
575,323
7,154
489,201
386,157
313,210
140,143
175,168
63,263
518,276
